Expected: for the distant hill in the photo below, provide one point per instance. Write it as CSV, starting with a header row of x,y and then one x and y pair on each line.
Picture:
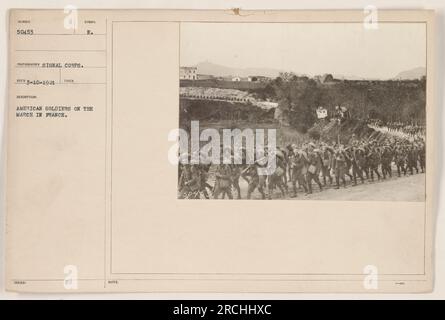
x,y
218,70
411,74
223,71
348,77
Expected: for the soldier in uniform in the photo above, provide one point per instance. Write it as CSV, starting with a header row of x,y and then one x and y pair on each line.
x,y
191,182
362,163
250,174
204,174
351,163
289,153
224,181
400,160
374,161
204,167
314,167
183,178
237,160
283,154
413,157
276,178
261,164
297,165
348,161
182,163
422,154
386,161
236,173
326,161
339,166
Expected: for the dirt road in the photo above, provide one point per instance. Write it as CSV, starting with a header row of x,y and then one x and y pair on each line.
x,y
409,188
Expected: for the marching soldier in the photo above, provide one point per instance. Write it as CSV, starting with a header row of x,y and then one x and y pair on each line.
x,y
297,164
289,153
400,160
374,161
326,161
282,152
348,161
339,167
422,153
386,162
351,164
413,156
224,181
314,167
303,166
276,178
250,174
362,163
203,174
191,182
236,173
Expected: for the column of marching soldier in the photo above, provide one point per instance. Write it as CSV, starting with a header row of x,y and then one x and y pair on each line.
x,y
301,167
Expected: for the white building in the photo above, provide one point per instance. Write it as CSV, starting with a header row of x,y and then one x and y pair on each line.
x,y
188,73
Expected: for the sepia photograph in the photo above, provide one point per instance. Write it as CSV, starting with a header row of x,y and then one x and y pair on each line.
x,y
129,132
307,111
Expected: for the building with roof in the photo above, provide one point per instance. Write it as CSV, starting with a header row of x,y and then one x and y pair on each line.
x,y
188,73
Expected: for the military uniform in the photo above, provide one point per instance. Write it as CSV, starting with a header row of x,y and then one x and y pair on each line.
x,y
339,167
386,162
400,160
362,163
326,162
297,164
190,182
250,174
276,178
422,154
223,181
350,158
313,170
413,156
374,162
205,187
236,173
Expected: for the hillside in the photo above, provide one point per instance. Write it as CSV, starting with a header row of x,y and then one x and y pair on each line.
x,y
385,100
222,71
215,110
297,100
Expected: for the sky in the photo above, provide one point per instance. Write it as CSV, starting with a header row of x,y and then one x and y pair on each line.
x,y
346,49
